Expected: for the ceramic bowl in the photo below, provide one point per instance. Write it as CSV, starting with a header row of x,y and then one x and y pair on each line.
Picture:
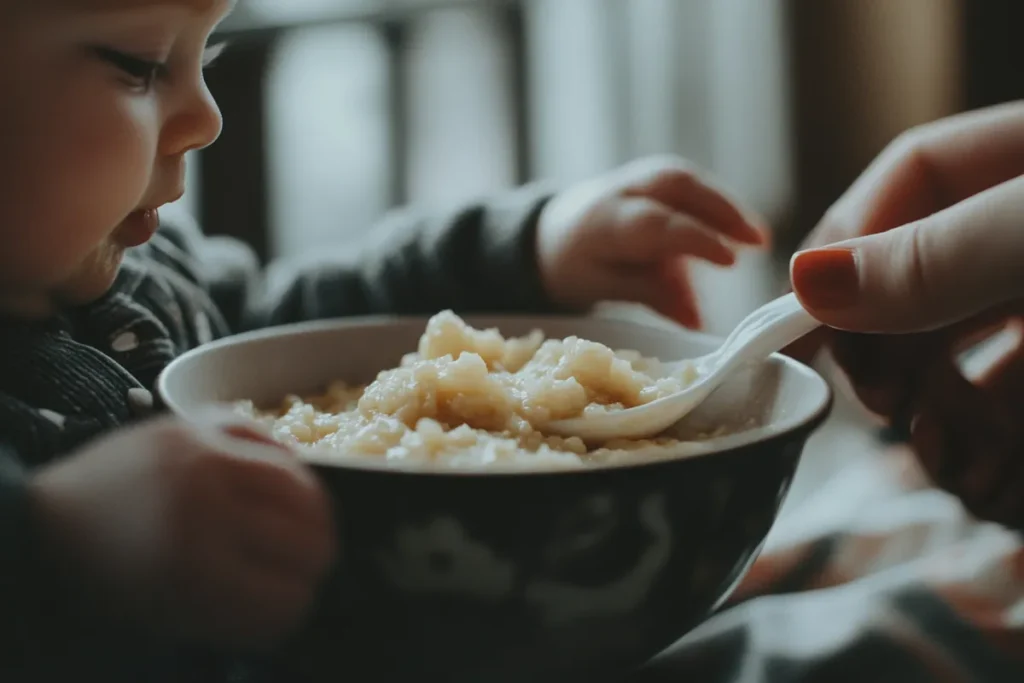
x,y
555,575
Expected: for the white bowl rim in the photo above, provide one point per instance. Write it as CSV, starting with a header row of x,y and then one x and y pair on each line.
x,y
718,447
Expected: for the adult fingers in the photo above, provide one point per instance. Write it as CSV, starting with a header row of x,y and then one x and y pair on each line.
x,y
927,169
922,276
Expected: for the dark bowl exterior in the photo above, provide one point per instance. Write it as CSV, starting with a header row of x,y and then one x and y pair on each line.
x,y
559,577
535,577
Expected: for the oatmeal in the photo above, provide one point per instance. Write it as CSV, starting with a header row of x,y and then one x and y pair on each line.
x,y
470,398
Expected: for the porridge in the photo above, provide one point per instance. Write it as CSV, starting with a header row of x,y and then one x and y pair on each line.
x,y
469,398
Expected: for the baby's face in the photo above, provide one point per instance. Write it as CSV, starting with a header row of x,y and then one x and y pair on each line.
x,y
99,102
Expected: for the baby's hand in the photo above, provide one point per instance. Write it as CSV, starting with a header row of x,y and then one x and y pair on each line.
x,y
624,237
213,535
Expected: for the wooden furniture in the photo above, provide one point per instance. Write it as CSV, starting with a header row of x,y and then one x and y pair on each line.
x,y
234,187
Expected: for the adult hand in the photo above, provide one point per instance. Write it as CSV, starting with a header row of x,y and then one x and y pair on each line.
x,y
952,270
927,275
924,171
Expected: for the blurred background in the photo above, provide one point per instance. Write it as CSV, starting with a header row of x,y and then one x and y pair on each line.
x,y
337,110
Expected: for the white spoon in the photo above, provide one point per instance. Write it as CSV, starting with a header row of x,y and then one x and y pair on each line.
x,y
770,328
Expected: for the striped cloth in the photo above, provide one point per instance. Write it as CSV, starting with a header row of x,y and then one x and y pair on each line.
x,y
877,577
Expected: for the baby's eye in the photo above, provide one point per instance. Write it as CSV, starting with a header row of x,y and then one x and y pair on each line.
x,y
141,71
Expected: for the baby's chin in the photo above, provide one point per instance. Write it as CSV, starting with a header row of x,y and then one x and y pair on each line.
x,y
95,278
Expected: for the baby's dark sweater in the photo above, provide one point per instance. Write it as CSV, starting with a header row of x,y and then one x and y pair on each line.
x,y
68,380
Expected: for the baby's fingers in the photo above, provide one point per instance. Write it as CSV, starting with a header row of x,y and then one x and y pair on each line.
x,y
248,608
675,298
680,187
286,487
283,544
652,232
664,287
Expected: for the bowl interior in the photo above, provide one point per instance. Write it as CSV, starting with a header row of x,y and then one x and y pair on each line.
x,y
758,402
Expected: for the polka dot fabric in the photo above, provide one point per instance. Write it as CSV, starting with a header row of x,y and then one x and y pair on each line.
x,y
95,369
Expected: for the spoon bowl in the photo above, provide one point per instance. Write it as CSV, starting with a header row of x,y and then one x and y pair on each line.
x,y
768,329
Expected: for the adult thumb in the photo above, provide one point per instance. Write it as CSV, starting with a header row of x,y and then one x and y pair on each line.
x,y
921,276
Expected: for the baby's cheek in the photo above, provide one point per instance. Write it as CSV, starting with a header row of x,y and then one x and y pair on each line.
x,y
57,222
108,163
75,188
40,229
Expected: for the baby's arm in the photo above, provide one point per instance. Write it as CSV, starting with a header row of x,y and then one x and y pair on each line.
x,y
480,258
154,537
627,235
40,626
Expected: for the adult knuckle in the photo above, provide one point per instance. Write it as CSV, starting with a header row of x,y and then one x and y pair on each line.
x,y
910,141
917,278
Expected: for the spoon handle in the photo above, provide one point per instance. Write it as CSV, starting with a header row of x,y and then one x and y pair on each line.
x,y
767,330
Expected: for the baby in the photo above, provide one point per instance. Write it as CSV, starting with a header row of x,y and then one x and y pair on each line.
x,y
120,526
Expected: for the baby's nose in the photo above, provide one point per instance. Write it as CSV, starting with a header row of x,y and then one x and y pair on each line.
x,y
197,124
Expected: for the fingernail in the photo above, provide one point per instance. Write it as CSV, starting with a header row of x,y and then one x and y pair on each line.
x,y
826,279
